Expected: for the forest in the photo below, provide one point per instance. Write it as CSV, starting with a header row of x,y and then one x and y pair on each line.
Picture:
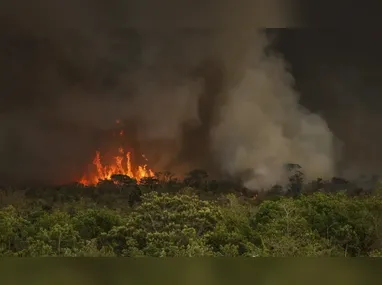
x,y
196,216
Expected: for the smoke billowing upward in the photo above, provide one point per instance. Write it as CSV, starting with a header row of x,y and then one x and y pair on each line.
x,y
192,91
262,127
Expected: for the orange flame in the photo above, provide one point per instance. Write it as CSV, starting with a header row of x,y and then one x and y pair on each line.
x,y
122,165
104,172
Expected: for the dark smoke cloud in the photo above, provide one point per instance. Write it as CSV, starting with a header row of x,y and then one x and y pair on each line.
x,y
190,79
339,75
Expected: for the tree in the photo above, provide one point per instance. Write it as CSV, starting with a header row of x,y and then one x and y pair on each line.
x,y
282,230
296,179
165,225
13,231
197,179
91,223
347,222
55,231
233,234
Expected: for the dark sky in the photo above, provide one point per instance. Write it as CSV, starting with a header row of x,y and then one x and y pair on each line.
x,y
339,13
338,73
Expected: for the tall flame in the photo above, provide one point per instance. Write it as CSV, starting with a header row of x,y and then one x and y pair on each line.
x,y
121,165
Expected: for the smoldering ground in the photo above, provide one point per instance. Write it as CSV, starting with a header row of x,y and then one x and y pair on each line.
x,y
191,80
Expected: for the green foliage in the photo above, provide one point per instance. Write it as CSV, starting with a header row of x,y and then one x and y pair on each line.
x,y
348,223
233,234
90,223
166,225
283,230
165,217
12,231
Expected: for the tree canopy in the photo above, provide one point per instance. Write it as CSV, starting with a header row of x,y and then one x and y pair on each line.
x,y
166,217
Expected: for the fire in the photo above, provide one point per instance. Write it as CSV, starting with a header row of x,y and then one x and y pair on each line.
x,y
122,165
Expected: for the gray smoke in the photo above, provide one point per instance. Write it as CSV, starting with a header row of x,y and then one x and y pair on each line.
x,y
262,126
189,79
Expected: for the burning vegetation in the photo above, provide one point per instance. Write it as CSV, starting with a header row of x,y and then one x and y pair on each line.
x,y
121,164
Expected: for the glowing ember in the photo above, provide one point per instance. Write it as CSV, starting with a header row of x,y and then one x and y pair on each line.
x,y
121,165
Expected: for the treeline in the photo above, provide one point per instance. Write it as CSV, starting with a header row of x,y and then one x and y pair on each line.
x,y
197,216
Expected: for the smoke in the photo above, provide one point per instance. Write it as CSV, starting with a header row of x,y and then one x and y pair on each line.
x,y
191,81
339,74
262,126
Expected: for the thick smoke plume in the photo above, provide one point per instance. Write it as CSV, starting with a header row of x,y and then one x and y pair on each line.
x,y
191,81
262,126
